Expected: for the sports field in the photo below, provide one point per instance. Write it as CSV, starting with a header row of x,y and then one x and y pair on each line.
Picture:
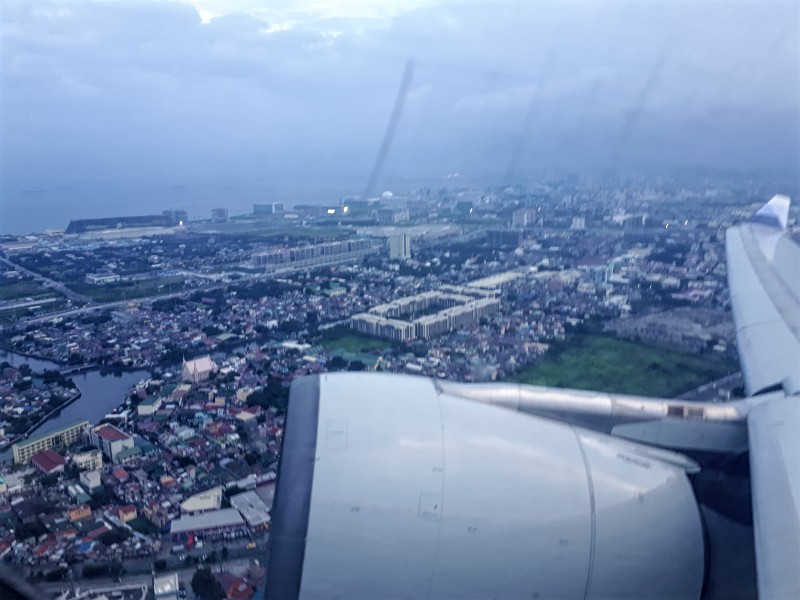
x,y
352,343
602,363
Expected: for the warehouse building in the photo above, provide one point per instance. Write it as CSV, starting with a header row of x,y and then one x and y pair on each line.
x,y
226,523
253,509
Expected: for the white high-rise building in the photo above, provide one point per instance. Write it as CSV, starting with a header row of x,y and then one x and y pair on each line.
x,y
400,246
578,222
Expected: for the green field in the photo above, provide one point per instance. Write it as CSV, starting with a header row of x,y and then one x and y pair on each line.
x,y
129,290
298,232
352,343
610,365
22,289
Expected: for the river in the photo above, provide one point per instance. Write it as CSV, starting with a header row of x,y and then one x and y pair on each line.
x,y
100,394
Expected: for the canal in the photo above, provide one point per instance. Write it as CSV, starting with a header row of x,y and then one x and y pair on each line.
x,y
100,394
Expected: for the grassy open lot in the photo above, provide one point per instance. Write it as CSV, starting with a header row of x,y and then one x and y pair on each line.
x,y
602,363
11,316
13,290
300,232
352,343
129,290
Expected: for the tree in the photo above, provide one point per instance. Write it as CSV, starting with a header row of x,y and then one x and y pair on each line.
x,y
101,497
116,568
206,586
75,359
290,327
90,571
275,395
23,531
56,574
115,536
49,479
337,363
183,461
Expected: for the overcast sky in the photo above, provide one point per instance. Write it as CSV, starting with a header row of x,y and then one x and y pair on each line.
x,y
185,92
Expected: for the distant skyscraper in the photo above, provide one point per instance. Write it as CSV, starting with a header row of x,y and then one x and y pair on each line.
x,y
578,222
524,217
400,246
179,217
268,209
219,215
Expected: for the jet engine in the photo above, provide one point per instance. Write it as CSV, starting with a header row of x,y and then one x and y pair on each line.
x,y
390,488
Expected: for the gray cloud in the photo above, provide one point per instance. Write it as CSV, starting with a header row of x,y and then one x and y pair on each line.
x,y
146,91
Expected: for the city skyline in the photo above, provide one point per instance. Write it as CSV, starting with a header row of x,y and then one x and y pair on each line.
x,y
201,103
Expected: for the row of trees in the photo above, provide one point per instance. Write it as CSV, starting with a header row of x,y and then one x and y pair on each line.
x,y
206,586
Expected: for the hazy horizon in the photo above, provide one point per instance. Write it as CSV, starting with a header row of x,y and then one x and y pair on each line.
x,y
212,103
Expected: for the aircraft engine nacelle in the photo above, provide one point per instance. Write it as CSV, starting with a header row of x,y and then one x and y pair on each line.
x,y
389,488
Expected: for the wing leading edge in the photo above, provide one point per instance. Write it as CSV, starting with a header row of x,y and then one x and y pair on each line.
x,y
764,279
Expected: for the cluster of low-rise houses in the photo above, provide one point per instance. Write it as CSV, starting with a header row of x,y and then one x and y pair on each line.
x,y
559,278
192,454
27,397
174,464
610,251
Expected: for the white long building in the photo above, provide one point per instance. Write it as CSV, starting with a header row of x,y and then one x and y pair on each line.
x,y
390,329
315,255
461,311
456,317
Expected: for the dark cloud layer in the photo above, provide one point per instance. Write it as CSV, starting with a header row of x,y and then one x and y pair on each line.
x,y
157,92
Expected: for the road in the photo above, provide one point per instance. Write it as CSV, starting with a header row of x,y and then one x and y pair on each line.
x,y
237,566
50,283
123,303
97,307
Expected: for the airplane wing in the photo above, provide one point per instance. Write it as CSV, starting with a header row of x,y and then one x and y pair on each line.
x,y
764,278
393,486
775,478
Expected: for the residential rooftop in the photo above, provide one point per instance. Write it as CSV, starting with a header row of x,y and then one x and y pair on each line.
x,y
109,433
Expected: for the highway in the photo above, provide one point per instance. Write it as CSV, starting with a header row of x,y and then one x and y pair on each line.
x,y
123,303
140,573
51,283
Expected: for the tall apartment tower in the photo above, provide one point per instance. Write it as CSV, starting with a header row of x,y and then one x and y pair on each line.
x,y
219,215
400,246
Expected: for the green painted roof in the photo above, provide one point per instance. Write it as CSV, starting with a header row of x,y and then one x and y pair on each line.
x,y
128,452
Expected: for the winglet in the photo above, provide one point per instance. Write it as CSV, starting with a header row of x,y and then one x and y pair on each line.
x,y
774,213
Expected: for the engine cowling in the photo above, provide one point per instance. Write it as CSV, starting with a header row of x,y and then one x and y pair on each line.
x,y
390,489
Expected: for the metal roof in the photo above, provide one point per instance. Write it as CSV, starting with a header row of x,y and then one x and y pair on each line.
x,y
166,586
225,517
253,509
